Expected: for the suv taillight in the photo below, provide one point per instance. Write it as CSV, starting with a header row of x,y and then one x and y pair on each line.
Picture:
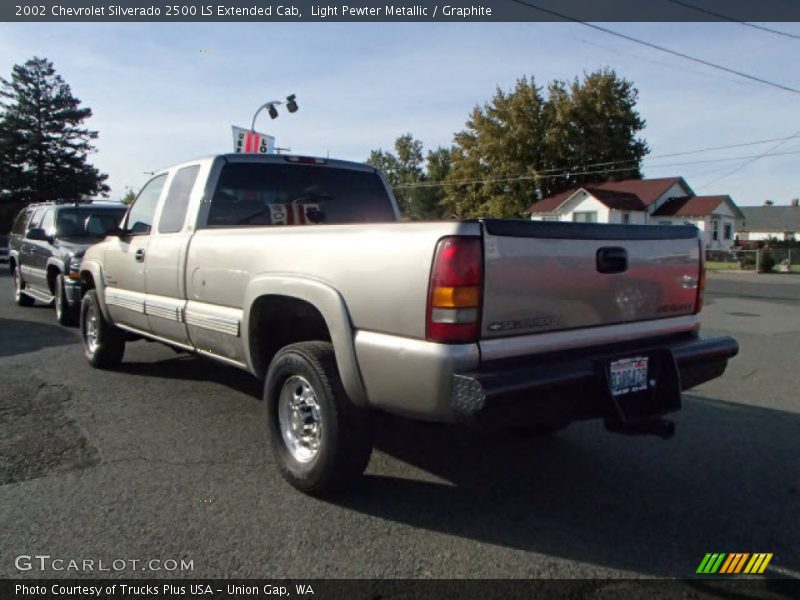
x,y
455,291
701,280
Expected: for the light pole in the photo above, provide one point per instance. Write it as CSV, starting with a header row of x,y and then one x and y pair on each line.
x,y
291,106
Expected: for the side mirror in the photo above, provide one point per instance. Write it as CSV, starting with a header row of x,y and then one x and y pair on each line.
x,y
116,232
37,234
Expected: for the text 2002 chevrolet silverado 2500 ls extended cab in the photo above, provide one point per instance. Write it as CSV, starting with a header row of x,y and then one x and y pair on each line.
x,y
297,270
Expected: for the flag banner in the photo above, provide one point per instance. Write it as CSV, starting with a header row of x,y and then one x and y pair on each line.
x,y
247,141
294,214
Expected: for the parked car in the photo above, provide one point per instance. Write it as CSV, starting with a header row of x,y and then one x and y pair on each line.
x,y
3,248
298,270
46,245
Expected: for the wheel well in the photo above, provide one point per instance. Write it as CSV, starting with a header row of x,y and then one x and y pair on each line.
x,y
87,283
52,272
277,321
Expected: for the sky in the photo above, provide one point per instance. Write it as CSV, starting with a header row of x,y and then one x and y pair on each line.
x,y
162,93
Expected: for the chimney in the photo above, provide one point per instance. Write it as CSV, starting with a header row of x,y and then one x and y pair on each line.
x,y
795,202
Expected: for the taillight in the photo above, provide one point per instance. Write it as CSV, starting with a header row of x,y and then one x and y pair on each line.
x,y
701,280
454,295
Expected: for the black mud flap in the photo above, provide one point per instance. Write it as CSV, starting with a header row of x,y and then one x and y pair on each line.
x,y
645,399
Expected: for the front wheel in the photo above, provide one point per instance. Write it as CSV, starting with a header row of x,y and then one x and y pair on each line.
x,y
321,440
65,314
103,344
19,297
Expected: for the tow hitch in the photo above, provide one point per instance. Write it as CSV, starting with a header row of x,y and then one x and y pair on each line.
x,y
663,428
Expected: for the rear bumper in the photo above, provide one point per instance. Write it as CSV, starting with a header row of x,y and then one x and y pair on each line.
x,y
569,386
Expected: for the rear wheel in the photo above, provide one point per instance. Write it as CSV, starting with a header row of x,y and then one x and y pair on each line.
x,y
65,314
19,297
321,440
103,344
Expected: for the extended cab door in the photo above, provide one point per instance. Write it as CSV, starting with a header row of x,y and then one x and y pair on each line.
x,y
166,259
126,258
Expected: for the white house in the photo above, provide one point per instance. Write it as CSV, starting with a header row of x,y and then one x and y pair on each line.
x,y
768,222
664,201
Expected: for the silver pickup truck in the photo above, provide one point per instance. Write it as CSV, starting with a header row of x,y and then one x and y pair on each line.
x,y
298,270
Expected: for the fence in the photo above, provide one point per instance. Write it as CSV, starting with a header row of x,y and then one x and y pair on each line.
x,y
769,259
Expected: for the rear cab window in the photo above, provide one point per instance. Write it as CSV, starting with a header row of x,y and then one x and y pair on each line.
x,y
257,194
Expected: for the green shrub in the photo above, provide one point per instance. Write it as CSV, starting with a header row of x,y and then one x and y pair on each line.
x,y
766,260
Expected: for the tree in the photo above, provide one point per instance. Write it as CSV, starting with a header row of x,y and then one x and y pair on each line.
x,y
129,197
522,146
430,203
404,171
592,131
497,156
43,144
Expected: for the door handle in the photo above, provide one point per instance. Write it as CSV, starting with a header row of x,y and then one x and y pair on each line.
x,y
139,255
612,260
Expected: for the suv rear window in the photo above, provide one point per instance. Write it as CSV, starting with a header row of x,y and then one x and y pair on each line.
x,y
276,194
22,220
76,222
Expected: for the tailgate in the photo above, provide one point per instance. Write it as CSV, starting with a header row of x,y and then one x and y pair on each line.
x,y
550,276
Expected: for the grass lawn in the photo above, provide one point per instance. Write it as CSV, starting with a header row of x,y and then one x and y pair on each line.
x,y
722,266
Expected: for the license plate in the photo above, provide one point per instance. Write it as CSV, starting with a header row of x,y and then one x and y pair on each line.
x,y
628,375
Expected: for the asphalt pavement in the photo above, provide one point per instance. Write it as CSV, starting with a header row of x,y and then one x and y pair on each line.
x,y
164,458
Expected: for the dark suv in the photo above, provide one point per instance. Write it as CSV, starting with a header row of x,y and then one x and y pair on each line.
x,y
46,245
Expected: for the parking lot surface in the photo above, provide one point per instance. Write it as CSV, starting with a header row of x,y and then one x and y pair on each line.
x,y
165,458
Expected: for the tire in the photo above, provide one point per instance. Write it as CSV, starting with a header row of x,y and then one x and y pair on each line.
x,y
19,285
338,444
65,314
103,344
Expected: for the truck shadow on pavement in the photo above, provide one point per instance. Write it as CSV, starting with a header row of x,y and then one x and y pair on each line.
x,y
188,367
19,337
728,482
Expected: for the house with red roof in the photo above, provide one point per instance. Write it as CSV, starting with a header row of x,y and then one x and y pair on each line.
x,y
661,201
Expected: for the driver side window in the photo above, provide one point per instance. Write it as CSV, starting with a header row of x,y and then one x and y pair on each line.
x,y
140,216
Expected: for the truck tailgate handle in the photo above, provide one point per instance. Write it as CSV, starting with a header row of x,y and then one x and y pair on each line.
x,y
612,260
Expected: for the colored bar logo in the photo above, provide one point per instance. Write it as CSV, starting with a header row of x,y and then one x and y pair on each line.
x,y
734,563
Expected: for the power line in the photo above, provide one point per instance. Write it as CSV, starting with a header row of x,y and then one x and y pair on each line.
x,y
555,173
559,172
751,161
732,20
659,48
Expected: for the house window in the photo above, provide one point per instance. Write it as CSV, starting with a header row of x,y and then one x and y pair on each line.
x,y
727,231
715,230
551,218
665,222
626,217
585,216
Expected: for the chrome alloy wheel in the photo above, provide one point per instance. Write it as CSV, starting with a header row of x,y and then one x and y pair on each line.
x,y
299,419
17,285
59,299
91,333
